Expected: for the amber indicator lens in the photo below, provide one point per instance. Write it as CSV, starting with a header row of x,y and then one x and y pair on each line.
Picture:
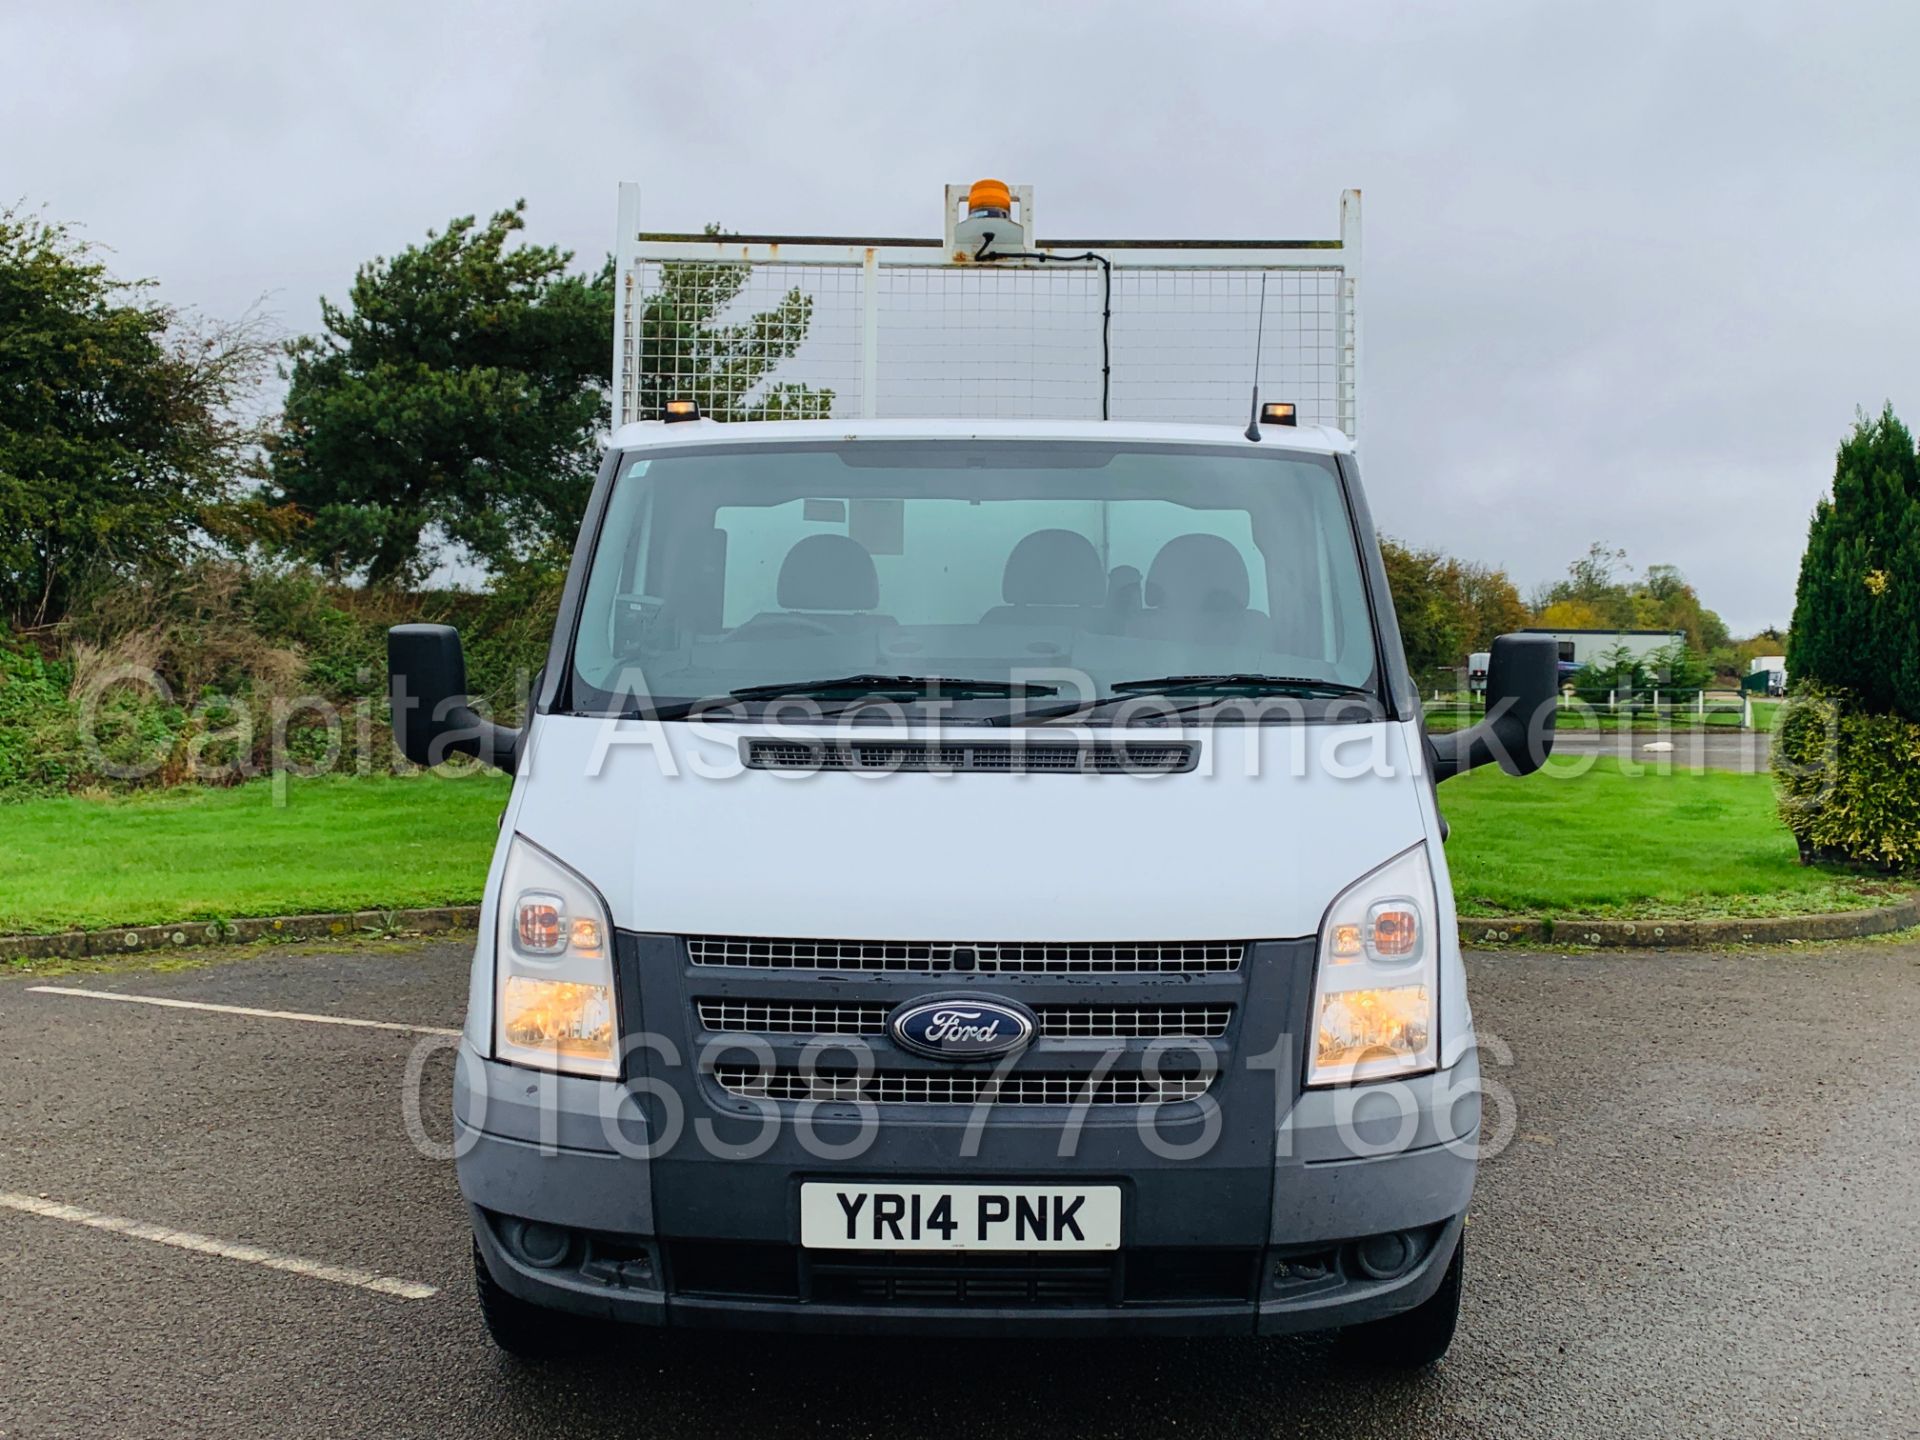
x,y
1396,933
540,925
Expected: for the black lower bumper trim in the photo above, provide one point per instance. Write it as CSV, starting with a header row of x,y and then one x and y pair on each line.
x,y
719,1270
715,1285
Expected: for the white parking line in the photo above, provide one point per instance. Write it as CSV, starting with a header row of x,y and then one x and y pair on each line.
x,y
238,1010
225,1250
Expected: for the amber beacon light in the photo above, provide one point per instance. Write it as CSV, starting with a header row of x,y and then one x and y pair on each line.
x,y
989,197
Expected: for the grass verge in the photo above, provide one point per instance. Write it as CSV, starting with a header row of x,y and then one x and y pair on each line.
x,y
336,843
1582,838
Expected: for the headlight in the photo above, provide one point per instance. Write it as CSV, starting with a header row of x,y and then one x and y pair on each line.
x,y
1374,1014
553,969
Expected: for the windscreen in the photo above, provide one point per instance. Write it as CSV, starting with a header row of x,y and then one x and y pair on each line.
x,y
742,566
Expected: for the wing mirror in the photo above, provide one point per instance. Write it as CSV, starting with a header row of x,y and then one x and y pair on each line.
x,y
1523,702
432,717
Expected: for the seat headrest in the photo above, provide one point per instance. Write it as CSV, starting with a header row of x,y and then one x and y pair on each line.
x,y
1198,572
1054,567
828,572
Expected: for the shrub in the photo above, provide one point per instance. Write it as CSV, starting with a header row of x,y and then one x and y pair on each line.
x,y
184,676
1847,786
505,637
39,747
1848,753
1610,672
1678,667
193,626
1856,616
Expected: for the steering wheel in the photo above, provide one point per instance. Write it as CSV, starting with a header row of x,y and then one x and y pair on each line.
x,y
803,624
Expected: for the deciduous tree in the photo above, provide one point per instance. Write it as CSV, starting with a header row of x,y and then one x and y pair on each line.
x,y
1447,608
1488,602
123,421
1600,586
1572,615
1432,631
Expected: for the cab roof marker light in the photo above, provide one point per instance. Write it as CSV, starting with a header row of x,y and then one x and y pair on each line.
x,y
1279,412
677,410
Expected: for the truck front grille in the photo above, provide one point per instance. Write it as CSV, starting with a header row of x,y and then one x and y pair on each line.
x,y
1057,1022
1215,957
912,1087
777,1017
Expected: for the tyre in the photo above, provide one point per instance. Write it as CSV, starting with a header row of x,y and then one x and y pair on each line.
x,y
1416,1338
526,1331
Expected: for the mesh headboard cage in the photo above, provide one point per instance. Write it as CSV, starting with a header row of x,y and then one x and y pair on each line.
x,y
798,327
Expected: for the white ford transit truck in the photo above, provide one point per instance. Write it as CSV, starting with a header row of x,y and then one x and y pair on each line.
x,y
967,876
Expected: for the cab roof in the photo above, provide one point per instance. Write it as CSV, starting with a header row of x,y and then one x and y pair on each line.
x,y
651,434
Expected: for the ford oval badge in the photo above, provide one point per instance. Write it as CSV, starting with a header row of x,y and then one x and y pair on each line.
x,y
962,1028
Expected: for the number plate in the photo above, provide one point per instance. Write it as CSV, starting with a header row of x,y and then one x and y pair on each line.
x,y
959,1217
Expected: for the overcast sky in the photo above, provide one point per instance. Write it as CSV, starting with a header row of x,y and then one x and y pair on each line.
x,y
1629,267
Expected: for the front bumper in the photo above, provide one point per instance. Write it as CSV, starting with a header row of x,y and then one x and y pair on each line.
x,y
1260,1242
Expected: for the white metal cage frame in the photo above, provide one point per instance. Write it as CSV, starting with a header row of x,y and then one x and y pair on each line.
x,y
816,327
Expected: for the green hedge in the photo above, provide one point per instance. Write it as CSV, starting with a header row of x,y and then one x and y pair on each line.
x,y
1849,780
178,678
39,744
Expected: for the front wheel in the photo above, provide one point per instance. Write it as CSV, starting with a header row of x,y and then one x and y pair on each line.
x,y
1416,1338
526,1331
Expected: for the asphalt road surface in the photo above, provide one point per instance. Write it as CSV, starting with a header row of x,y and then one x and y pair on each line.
x,y
1705,1224
1744,751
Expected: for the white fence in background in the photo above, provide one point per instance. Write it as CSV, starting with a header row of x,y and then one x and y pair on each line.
x,y
1658,703
755,326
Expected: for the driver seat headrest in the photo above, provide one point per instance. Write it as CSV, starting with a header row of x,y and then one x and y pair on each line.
x,y
1054,567
828,572
1198,572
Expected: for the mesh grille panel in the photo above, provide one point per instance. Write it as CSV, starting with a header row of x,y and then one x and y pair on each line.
x,y
785,339
1057,1022
747,342
774,1017
1183,343
1130,1022
960,1087
1217,957
1015,758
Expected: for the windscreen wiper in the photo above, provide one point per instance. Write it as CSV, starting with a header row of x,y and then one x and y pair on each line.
x,y
1240,683
1251,683
915,685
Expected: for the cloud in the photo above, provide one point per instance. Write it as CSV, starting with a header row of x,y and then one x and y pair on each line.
x,y
1629,267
